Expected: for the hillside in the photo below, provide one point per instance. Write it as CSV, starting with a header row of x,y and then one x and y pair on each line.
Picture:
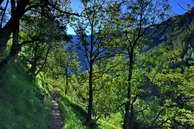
x,y
157,34
171,45
21,104
25,105
171,28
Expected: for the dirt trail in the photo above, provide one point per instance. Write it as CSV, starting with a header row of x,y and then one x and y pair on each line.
x,y
57,122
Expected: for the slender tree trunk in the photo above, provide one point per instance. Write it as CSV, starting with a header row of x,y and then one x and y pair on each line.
x,y
91,61
90,100
129,115
33,69
66,76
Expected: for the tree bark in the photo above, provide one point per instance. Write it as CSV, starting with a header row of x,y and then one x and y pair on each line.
x,y
15,48
91,61
129,114
90,100
67,80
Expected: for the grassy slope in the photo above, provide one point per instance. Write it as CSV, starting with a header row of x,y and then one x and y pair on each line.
x,y
19,106
73,115
21,109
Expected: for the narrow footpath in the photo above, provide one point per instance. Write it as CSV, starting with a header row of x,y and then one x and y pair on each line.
x,y
57,122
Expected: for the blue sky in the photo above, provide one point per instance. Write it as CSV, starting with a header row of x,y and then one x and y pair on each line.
x,y
76,5
176,5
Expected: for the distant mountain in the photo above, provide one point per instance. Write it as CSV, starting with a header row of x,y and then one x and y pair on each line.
x,y
76,46
157,34
176,32
170,28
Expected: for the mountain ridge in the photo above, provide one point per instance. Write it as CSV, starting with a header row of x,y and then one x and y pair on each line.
x,y
157,34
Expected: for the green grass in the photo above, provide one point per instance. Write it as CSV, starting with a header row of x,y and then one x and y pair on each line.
x,y
112,122
19,106
73,116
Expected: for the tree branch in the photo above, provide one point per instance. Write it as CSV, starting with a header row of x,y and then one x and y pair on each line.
x,y
45,60
1,1
62,11
4,10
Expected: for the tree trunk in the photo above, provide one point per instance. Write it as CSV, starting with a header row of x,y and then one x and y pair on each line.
x,y
91,61
67,81
6,31
15,48
90,99
129,114
33,69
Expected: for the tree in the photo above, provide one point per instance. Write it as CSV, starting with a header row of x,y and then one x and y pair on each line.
x,y
11,26
131,27
45,33
60,67
89,28
174,95
171,73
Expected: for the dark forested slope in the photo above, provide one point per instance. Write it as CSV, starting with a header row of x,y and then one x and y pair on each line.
x,y
171,28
